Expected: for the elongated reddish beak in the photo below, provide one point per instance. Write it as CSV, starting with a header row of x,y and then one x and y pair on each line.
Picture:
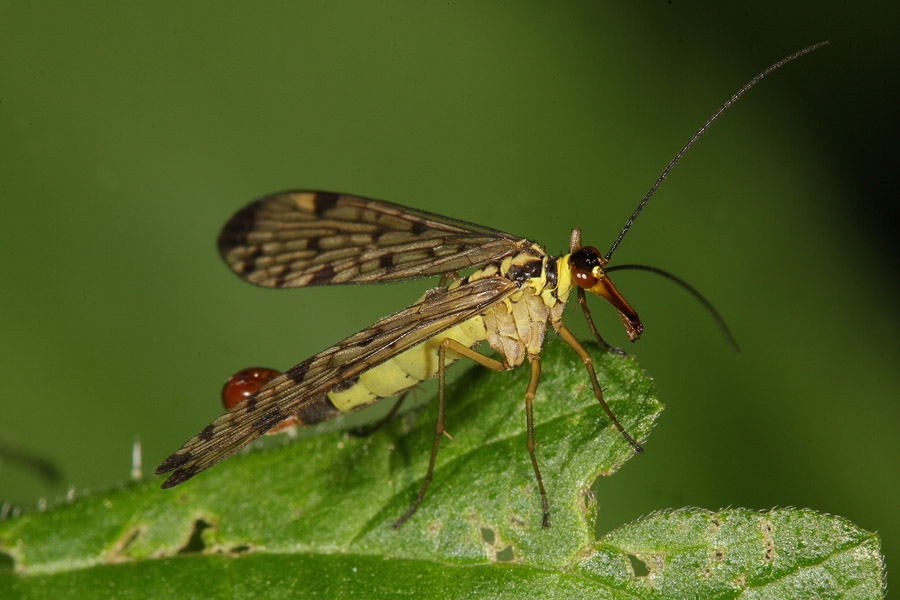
x,y
605,289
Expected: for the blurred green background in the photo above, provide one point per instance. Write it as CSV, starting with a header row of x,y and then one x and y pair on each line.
x,y
129,134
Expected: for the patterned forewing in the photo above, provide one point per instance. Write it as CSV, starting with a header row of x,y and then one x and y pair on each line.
x,y
303,238
440,309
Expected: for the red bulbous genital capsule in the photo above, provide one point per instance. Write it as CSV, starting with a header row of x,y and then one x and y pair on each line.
x,y
244,384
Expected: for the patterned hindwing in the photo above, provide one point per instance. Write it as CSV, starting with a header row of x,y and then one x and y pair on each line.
x,y
302,238
440,309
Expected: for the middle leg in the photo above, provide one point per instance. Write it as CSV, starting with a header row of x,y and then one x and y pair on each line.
x,y
481,359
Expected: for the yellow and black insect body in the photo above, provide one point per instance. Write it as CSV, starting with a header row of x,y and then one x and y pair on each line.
x,y
318,238
307,238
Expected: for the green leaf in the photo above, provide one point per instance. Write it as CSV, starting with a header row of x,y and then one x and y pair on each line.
x,y
314,516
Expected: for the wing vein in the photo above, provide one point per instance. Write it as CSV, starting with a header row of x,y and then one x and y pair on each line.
x,y
296,239
308,381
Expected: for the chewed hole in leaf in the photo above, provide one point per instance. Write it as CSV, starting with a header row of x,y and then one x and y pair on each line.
x,y
506,555
195,543
638,566
487,534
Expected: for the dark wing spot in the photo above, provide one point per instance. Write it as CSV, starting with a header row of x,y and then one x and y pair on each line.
x,y
281,276
250,404
248,264
236,229
269,420
206,433
386,262
178,459
324,202
180,476
297,373
418,227
322,275
367,341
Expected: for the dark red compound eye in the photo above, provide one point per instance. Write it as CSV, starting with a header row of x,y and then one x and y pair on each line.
x,y
583,278
582,263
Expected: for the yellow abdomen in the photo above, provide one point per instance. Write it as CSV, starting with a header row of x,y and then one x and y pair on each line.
x,y
407,369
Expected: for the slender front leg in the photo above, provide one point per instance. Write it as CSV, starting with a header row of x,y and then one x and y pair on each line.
x,y
566,335
482,360
590,321
534,360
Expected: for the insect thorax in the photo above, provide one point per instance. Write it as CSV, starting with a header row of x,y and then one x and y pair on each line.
x,y
516,327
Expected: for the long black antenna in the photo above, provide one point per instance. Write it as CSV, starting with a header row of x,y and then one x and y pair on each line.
x,y
700,131
720,322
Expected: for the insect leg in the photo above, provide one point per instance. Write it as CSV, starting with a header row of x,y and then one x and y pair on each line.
x,y
534,360
449,277
570,339
590,321
367,430
482,360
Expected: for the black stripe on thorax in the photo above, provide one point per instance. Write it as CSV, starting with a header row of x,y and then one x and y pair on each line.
x,y
520,270
552,274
